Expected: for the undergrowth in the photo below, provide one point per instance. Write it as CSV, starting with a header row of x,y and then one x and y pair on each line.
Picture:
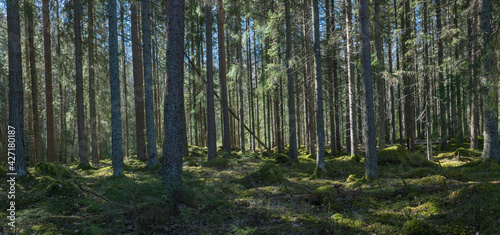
x,y
261,193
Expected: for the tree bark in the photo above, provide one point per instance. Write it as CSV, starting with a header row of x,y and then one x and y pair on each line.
x,y
292,126
16,98
489,83
49,104
80,114
371,165
442,103
211,138
124,80
351,81
114,81
138,85
226,141
174,104
92,94
148,84
381,98
320,125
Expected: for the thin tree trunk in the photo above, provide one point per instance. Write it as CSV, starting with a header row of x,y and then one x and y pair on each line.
x,y
442,103
320,157
138,85
37,154
49,104
292,129
371,166
226,141
381,99
92,95
148,84
427,97
211,138
351,81
124,78
82,144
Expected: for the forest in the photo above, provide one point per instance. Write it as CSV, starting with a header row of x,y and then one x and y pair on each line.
x,y
249,117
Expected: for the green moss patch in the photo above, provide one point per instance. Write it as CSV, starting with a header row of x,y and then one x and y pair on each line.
x,y
52,169
417,227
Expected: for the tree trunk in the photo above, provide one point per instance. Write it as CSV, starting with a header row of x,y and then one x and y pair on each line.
x,y
211,138
114,81
15,129
351,81
489,83
124,80
320,126
427,97
138,85
381,100
38,153
292,126
408,106
442,103
371,165
49,104
226,141
80,114
174,104
92,95
148,84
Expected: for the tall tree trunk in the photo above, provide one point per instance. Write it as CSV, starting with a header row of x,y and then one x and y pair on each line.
x,y
239,55
330,22
80,114
381,100
92,95
320,126
292,126
138,85
49,104
15,128
114,81
37,154
351,81
427,96
371,166
124,79
174,104
489,83
442,103
148,83
408,106
211,138
226,141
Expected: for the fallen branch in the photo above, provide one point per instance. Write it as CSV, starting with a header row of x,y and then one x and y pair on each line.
x,y
88,191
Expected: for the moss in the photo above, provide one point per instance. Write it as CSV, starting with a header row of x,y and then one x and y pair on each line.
x,y
269,173
417,227
463,152
434,180
3,171
280,158
218,163
418,173
418,160
61,188
318,173
479,207
352,178
392,155
52,169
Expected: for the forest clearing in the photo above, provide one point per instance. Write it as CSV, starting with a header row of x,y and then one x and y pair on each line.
x,y
249,117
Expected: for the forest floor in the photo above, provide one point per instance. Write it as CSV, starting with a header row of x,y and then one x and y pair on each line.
x,y
255,193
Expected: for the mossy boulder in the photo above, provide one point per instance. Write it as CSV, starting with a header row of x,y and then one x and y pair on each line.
x,y
52,169
218,163
280,158
269,173
392,155
434,180
51,187
417,227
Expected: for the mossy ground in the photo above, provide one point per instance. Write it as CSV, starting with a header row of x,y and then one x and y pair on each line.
x,y
258,193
